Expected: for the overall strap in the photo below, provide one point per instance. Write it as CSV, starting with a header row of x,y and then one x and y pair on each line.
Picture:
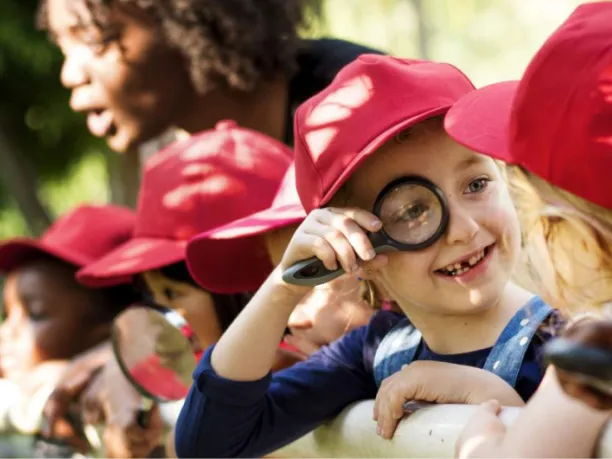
x,y
506,357
396,349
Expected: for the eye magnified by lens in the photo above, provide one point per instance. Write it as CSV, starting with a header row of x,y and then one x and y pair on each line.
x,y
411,214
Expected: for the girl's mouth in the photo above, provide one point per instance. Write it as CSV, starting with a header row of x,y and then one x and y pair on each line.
x,y
460,268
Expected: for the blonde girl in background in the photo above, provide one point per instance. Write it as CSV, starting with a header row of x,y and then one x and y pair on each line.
x,y
555,128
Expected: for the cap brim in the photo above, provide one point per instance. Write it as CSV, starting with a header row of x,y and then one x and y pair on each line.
x,y
134,257
15,252
258,223
480,120
233,258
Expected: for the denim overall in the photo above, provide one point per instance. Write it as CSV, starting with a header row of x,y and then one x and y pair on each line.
x,y
400,345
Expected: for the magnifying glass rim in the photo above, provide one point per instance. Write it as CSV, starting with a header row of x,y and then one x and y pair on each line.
x,y
413,180
114,341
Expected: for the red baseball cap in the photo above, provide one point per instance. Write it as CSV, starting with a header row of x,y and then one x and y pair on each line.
x,y
557,122
79,237
192,186
371,100
217,245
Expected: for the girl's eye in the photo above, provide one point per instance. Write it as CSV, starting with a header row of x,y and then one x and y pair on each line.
x,y
414,211
36,316
170,294
478,185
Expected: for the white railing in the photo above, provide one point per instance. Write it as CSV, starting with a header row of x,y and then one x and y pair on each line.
x,y
428,432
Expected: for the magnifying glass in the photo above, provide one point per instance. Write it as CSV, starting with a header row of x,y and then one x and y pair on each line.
x,y
592,366
414,215
155,353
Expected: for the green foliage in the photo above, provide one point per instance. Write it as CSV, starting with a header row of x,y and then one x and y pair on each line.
x,y
34,111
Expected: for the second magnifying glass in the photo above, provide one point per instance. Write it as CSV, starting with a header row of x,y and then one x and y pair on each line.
x,y
414,214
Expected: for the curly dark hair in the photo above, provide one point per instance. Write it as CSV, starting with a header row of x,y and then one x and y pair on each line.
x,y
231,43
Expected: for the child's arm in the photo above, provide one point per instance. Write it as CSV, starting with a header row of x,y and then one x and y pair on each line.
x,y
225,418
552,424
235,407
437,382
247,349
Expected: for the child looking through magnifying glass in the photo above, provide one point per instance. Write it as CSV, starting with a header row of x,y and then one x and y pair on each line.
x,y
467,333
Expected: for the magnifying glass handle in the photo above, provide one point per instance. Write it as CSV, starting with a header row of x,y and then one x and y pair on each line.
x,y
143,416
312,272
573,357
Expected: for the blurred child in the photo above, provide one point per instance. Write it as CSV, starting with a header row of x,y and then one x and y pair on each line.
x,y
367,137
321,317
192,186
49,317
554,128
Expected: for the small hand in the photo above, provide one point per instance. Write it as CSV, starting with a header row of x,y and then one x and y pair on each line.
x,y
133,440
436,382
484,427
337,236
75,379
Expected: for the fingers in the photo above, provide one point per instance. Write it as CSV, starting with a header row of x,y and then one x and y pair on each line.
x,y
389,405
491,406
484,426
351,223
338,238
134,440
61,398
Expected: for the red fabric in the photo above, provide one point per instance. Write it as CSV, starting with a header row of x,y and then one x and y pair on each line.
x,y
370,101
158,380
193,186
78,237
557,123
217,245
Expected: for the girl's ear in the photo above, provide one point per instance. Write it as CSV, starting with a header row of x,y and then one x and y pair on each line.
x,y
368,270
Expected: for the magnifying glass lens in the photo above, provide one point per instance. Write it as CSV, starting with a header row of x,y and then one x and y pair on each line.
x,y
411,213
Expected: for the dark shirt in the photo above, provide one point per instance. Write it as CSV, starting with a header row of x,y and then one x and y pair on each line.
x,y
225,418
318,63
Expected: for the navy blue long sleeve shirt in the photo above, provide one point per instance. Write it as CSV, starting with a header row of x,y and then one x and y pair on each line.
x,y
225,418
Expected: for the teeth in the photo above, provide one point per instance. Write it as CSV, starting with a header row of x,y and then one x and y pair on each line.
x,y
458,268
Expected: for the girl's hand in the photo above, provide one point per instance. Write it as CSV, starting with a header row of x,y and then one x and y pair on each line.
x,y
337,236
483,428
437,382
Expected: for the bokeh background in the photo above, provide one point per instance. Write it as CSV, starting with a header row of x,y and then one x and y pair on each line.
x,y
49,162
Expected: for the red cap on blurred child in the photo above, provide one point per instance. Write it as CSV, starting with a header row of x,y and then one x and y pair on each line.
x,y
79,237
192,186
218,243
370,101
557,122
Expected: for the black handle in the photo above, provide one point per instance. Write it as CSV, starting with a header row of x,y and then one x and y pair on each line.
x,y
573,357
312,272
143,417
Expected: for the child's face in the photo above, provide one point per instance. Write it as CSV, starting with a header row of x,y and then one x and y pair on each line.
x,y
482,216
329,310
130,86
46,317
194,304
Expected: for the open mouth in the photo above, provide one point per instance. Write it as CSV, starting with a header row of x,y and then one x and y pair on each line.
x,y
462,267
100,123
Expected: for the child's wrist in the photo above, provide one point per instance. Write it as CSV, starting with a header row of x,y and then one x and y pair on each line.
x,y
294,291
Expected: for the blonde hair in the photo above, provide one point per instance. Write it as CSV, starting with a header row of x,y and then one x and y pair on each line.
x,y
567,242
